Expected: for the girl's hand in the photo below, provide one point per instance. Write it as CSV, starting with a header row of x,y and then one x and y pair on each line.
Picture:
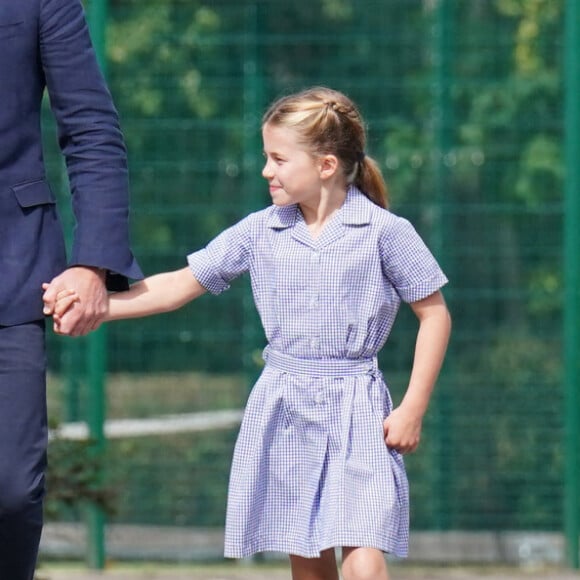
x,y
64,300
402,430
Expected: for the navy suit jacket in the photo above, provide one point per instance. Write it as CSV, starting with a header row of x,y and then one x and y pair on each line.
x,y
45,44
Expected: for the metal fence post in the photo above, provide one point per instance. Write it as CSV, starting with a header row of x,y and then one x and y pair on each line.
x,y
97,351
253,96
97,347
442,112
572,281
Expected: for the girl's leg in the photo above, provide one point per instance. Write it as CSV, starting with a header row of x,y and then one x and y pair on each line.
x,y
364,564
323,568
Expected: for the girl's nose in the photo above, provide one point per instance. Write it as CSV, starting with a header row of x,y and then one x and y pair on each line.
x,y
266,172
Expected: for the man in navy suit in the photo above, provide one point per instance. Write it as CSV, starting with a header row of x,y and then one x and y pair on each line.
x,y
46,44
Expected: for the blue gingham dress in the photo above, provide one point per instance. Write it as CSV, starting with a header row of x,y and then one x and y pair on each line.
x,y
310,469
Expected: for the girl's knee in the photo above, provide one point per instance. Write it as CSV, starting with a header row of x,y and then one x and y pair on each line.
x,y
323,568
364,564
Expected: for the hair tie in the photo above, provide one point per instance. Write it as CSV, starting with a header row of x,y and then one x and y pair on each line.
x,y
360,157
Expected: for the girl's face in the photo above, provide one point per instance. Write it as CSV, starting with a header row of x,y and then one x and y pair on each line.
x,y
292,172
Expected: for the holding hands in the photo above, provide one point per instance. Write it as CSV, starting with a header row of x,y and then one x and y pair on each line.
x,y
64,300
76,300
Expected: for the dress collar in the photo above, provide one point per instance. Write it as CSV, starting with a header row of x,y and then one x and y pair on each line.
x,y
356,211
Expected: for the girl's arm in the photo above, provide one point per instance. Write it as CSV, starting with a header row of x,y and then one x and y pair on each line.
x,y
403,426
156,294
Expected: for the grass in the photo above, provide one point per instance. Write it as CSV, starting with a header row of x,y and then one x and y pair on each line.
x,y
247,570
144,395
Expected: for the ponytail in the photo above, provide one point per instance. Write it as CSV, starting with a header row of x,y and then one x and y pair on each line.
x,y
370,181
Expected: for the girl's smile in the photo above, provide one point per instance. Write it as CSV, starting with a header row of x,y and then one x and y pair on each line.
x,y
292,172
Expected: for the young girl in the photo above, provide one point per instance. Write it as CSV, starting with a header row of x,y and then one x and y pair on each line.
x,y
317,463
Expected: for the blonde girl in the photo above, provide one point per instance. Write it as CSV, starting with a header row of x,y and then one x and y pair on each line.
x,y
318,462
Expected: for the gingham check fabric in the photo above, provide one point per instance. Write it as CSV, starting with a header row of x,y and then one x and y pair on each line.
x,y
310,468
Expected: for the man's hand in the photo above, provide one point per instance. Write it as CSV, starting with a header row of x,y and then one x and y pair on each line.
x,y
84,314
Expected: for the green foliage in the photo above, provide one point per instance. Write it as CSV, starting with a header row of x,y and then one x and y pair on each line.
x,y
75,478
174,480
518,460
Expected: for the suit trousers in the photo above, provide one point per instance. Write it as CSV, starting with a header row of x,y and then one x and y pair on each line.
x,y
23,445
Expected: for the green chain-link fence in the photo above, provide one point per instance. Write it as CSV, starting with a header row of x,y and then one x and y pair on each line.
x,y
464,103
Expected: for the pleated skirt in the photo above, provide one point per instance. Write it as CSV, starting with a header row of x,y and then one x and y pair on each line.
x,y
311,470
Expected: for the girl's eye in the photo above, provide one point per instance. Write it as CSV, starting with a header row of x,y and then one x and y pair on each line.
x,y
275,158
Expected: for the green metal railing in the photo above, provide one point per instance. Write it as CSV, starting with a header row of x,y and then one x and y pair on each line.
x,y
572,276
97,343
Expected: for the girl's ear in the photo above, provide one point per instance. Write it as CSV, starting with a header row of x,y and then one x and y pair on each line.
x,y
328,166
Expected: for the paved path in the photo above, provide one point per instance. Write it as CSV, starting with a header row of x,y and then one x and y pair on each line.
x,y
247,572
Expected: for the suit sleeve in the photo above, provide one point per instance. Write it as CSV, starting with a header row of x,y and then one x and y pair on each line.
x,y
91,141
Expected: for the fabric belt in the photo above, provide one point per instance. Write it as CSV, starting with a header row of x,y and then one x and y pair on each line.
x,y
319,367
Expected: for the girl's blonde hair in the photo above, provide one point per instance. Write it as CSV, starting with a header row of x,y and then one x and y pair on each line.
x,y
328,122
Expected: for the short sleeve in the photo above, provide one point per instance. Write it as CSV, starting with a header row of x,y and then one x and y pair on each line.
x,y
408,264
225,258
